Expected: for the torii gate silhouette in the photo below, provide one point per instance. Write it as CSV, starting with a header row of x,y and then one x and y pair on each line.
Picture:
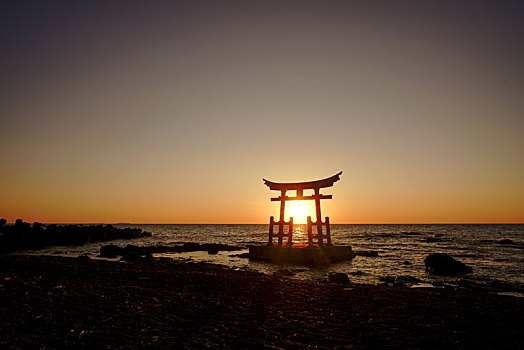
x,y
299,187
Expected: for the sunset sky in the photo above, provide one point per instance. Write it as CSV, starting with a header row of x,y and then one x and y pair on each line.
x,y
174,111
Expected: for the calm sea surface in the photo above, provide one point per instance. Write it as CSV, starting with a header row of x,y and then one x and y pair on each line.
x,y
401,248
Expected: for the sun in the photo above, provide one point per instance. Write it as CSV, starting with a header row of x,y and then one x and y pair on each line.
x,y
299,210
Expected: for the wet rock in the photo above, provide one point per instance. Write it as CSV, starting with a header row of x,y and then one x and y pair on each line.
x,y
470,284
134,253
406,279
136,256
191,245
111,251
338,277
283,273
499,285
387,279
369,253
356,273
443,284
131,248
243,255
443,264
403,280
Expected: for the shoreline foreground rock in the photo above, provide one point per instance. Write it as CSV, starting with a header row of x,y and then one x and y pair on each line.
x,y
49,301
443,264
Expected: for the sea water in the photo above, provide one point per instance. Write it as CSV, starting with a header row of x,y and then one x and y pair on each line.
x,y
401,249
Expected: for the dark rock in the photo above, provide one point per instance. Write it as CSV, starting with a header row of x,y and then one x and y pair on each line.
x,y
370,253
134,253
243,255
443,264
470,284
506,241
403,280
431,239
283,273
387,279
131,248
22,235
356,273
338,277
136,256
191,245
407,263
411,233
499,285
111,251
408,279
212,251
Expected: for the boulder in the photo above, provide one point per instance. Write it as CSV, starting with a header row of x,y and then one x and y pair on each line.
x,y
111,251
338,277
506,241
371,253
443,264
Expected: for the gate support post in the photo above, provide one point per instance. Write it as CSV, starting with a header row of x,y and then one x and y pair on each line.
x,y
309,231
328,232
271,223
290,233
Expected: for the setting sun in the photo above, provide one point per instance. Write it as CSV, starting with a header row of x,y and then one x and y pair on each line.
x,y
299,210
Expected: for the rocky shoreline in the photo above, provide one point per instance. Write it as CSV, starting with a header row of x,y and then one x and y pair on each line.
x,y
24,236
55,302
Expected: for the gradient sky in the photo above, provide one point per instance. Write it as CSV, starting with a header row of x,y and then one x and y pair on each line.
x,y
174,111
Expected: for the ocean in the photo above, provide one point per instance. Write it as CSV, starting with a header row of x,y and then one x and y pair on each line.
x,y
401,249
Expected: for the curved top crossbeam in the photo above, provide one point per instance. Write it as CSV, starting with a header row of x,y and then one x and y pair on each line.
x,y
286,186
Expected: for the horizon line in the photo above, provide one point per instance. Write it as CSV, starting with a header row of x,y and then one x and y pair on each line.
x,y
202,223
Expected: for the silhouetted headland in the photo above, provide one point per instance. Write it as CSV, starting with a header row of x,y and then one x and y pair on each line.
x,y
22,235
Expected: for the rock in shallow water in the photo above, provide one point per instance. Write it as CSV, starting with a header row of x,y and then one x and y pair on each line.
x,y
402,280
443,264
338,277
506,241
110,251
371,253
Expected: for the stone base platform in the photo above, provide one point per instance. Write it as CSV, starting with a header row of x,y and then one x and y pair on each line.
x,y
302,254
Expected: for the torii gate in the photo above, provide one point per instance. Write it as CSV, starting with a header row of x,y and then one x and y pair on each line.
x,y
299,187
